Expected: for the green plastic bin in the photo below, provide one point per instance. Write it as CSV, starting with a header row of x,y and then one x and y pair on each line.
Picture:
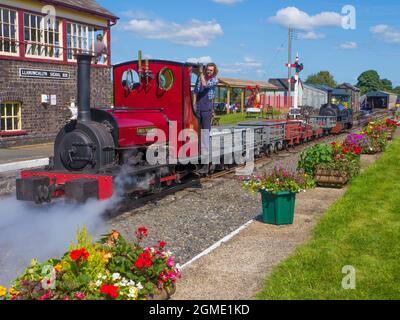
x,y
278,208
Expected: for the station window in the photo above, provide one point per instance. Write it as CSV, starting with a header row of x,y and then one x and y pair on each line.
x,y
86,39
10,116
8,32
42,37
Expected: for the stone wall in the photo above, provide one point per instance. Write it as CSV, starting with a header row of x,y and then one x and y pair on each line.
x,y
43,123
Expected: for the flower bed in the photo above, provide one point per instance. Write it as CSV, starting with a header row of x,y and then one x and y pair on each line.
x,y
335,164
111,269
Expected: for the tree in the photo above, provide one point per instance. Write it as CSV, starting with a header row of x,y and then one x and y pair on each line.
x,y
371,81
322,77
397,90
386,85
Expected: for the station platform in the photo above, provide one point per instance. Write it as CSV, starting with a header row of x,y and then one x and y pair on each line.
x,y
23,157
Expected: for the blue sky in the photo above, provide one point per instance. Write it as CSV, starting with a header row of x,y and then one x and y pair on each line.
x,y
248,38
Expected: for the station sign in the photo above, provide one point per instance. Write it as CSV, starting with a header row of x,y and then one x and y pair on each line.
x,y
44,74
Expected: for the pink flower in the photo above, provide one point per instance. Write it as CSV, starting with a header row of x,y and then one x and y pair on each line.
x,y
170,262
80,295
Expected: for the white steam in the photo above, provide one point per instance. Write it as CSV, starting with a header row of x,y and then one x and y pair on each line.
x,y
29,231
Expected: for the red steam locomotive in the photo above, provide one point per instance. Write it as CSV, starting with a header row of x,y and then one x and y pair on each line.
x,y
107,149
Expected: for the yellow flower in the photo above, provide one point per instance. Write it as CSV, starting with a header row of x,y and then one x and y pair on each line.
x,y
107,256
13,291
34,262
3,291
58,267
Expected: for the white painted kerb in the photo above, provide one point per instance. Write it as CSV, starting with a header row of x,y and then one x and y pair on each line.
x,y
30,164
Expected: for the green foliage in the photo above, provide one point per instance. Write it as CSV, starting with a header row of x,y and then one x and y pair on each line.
x,y
78,276
312,157
323,78
362,230
396,90
371,81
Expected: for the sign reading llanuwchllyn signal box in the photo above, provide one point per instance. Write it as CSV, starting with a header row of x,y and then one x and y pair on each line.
x,y
44,74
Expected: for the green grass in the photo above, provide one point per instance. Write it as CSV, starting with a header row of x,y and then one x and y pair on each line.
x,y
234,118
362,230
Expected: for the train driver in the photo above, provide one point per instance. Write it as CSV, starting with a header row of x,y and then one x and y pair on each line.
x,y
205,89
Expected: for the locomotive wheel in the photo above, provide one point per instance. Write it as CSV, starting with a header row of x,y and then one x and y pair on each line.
x,y
286,146
276,148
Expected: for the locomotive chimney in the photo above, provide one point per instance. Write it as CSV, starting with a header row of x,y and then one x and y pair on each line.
x,y
329,97
84,62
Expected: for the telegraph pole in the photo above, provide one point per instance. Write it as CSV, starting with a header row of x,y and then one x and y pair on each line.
x,y
290,37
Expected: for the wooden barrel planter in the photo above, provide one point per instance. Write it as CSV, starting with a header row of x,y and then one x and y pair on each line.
x,y
390,134
331,178
164,294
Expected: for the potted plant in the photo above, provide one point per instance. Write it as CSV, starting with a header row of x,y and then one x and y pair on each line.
x,y
378,133
278,190
111,269
392,126
354,140
344,165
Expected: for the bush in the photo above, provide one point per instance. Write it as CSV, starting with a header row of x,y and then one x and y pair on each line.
x,y
313,156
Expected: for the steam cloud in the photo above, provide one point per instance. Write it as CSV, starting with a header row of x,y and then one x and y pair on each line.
x,y
28,231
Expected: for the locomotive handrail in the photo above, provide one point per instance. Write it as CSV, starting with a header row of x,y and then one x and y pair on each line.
x,y
132,108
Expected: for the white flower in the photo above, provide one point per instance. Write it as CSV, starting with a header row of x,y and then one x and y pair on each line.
x,y
116,276
139,286
98,283
131,283
168,254
104,277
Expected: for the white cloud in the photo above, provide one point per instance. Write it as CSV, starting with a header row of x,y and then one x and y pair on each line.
x,y
248,65
291,17
380,28
135,14
227,2
349,45
311,35
204,60
389,34
194,33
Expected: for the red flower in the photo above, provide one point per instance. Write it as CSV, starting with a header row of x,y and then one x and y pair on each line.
x,y
143,231
162,244
84,254
144,259
75,255
108,290
46,296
